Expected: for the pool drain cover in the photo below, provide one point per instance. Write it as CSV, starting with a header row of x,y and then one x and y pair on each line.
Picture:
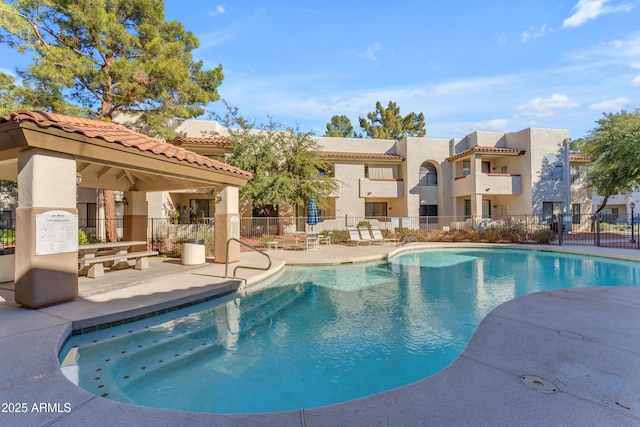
x,y
539,384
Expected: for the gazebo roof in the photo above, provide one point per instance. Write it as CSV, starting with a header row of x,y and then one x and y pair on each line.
x,y
110,155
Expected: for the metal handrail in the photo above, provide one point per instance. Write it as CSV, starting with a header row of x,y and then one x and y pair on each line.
x,y
226,267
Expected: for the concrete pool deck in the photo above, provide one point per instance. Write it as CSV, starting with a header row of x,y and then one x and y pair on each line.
x,y
563,357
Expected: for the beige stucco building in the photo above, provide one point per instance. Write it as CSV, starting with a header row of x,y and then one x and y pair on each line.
x,y
481,175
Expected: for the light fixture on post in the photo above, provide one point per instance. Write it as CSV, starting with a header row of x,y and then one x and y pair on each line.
x,y
633,237
125,201
78,178
218,197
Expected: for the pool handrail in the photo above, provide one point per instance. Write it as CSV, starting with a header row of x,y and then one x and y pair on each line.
x,y
226,266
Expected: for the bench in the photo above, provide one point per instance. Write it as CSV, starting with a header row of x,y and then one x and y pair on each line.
x,y
94,267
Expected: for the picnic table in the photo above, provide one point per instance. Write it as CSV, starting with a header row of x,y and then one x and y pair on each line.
x,y
93,257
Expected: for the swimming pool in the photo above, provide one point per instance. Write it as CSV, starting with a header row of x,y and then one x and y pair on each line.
x,y
315,336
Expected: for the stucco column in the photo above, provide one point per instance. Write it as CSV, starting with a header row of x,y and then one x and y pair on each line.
x,y
226,226
476,206
46,229
134,221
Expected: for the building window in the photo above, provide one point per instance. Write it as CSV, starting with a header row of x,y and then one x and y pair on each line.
x,y
553,172
610,215
325,173
375,209
486,167
200,209
549,209
575,213
466,167
486,209
91,214
428,175
267,211
467,208
6,220
429,214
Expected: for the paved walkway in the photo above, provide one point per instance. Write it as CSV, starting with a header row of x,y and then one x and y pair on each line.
x,y
566,357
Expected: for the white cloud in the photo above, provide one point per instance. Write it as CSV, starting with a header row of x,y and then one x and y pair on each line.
x,y
611,105
495,125
636,81
370,52
533,34
587,10
219,10
547,107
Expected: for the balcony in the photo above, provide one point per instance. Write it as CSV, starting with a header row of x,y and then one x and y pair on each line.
x,y
381,187
487,184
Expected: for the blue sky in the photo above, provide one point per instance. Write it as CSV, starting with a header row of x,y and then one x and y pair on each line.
x,y
468,65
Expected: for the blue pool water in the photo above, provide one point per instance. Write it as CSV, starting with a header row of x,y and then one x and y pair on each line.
x,y
321,335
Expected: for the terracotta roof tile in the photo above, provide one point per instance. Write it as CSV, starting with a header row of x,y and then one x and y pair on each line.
x,y
580,158
487,149
117,134
355,155
216,141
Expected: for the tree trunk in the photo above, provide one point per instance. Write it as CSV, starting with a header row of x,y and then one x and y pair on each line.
x,y
110,215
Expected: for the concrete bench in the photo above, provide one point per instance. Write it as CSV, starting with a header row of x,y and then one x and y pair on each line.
x,y
94,267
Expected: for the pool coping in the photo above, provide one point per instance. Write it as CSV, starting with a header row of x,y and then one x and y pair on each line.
x,y
494,378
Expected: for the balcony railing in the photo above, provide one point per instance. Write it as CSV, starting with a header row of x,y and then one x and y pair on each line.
x,y
381,187
487,183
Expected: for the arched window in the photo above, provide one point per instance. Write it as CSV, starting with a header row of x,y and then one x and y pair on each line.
x,y
428,174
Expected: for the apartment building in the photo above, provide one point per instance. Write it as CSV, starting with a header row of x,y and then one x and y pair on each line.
x,y
482,175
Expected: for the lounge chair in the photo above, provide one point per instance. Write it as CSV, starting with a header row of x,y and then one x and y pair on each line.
x,y
354,237
366,235
377,236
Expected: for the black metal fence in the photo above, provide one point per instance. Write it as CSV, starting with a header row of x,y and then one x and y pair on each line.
x,y
165,236
562,229
7,235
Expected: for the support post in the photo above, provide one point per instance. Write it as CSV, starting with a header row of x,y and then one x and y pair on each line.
x,y
46,229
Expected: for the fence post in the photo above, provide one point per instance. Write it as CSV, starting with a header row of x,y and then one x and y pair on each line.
x,y
598,230
560,227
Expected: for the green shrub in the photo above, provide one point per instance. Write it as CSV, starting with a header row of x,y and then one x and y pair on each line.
x,y
474,235
8,236
340,236
543,236
266,238
364,223
457,235
437,236
514,235
85,238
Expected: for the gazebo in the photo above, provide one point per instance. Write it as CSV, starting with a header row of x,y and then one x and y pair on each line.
x,y
46,153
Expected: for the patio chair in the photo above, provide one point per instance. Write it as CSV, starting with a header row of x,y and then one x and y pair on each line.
x,y
326,239
366,235
377,236
354,237
299,240
312,241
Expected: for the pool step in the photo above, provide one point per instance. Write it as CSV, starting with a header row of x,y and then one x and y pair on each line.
x,y
126,359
